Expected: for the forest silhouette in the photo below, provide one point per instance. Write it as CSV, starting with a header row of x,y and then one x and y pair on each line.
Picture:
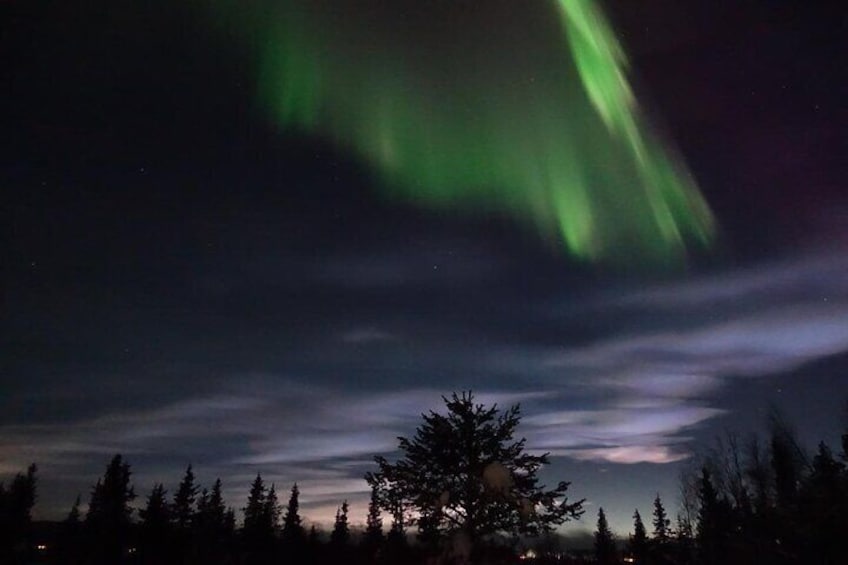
x,y
743,500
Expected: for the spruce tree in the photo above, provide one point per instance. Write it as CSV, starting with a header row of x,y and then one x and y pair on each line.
x,y
428,529
662,525
293,532
465,470
215,510
605,553
713,522
74,516
254,510
341,530
201,509
259,521
823,508
110,499
184,499
396,536
209,526
271,511
109,512
156,514
639,539
16,504
70,541
373,524
155,525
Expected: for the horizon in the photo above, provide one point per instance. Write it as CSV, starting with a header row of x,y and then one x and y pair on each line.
x,y
319,509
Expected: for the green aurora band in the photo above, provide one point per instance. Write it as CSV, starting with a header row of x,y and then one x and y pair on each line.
x,y
485,107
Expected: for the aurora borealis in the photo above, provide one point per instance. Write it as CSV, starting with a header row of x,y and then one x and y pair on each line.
x,y
537,120
260,243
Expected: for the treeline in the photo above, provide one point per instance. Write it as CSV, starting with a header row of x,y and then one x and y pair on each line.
x,y
755,501
194,526
746,502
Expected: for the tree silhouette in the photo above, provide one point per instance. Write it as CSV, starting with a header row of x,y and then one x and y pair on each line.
x,y
759,475
463,471
211,514
639,539
660,545
787,461
844,453
183,511
761,505
210,530
293,532
788,466
662,525
109,512
201,506
255,509
731,472
271,511
184,499
155,525
397,529
157,514
684,539
259,521
341,530
16,504
70,540
767,503
713,522
74,516
823,508
429,534
229,521
313,537
373,537
605,552
396,546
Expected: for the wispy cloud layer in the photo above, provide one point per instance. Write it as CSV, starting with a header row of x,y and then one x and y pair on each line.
x,y
637,393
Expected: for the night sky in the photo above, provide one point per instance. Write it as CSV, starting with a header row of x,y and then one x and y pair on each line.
x,y
185,278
